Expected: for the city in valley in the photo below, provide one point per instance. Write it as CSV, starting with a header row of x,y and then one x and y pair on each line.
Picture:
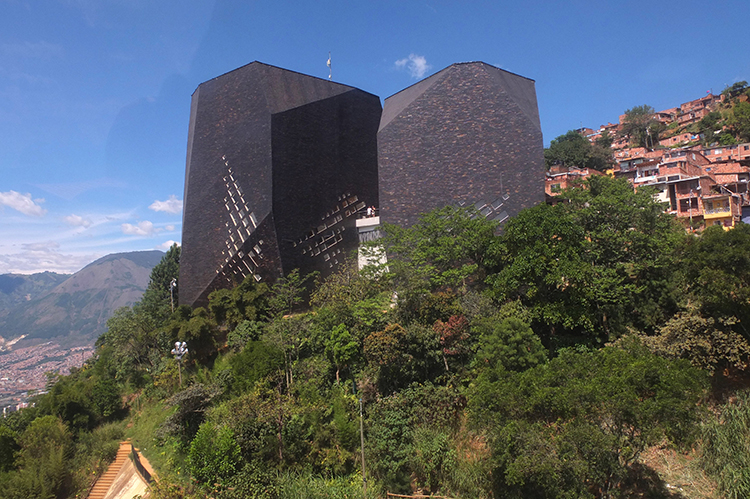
x,y
25,371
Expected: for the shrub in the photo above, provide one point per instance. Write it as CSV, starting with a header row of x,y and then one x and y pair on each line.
x,y
214,454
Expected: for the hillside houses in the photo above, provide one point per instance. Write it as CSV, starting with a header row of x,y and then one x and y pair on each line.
x,y
701,185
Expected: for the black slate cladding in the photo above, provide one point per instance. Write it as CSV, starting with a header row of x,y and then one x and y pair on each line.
x,y
468,135
271,154
280,165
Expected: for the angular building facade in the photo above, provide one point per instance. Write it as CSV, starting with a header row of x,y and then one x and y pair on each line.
x,y
468,135
279,164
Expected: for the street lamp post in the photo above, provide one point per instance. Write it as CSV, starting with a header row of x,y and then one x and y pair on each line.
x,y
172,285
179,351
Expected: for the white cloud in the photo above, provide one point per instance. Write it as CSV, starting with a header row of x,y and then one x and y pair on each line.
x,y
69,190
42,257
144,228
416,65
30,50
171,205
166,245
77,221
169,228
22,203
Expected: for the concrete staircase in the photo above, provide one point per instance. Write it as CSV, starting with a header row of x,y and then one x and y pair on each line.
x,y
102,485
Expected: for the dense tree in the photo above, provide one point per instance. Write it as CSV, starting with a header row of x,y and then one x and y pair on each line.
x,y
46,447
341,348
352,298
577,423
588,268
507,344
200,332
8,448
573,149
739,121
257,360
708,343
160,295
406,428
641,127
291,335
246,302
128,346
287,292
445,249
454,337
214,454
191,405
708,125
400,356
716,268
735,89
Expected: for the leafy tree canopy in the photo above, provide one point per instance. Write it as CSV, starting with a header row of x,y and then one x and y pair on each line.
x,y
739,121
589,267
157,300
708,343
573,149
444,249
735,89
641,127
716,271
584,418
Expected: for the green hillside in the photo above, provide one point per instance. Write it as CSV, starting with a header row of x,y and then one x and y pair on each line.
x,y
16,289
593,349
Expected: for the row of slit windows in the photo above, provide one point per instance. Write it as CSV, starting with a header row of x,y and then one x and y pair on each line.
x,y
488,210
325,242
348,206
243,225
331,257
243,220
241,266
329,233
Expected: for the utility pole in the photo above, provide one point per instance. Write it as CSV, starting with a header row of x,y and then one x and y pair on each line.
x,y
362,447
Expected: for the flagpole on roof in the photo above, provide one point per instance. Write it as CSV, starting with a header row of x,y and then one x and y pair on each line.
x,y
330,71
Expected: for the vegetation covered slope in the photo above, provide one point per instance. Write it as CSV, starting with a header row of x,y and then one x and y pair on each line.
x,y
16,289
543,362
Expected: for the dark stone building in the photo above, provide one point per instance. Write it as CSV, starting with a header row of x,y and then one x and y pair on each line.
x,y
467,135
278,166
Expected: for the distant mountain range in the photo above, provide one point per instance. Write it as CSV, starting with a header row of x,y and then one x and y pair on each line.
x,y
72,310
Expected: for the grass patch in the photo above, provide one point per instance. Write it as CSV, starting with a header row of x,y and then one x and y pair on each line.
x,y
682,474
165,456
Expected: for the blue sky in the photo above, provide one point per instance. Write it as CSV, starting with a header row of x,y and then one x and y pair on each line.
x,y
95,94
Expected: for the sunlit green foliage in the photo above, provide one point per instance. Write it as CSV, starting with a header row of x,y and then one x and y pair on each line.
x,y
582,419
726,450
444,249
716,267
575,150
588,268
455,351
214,455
